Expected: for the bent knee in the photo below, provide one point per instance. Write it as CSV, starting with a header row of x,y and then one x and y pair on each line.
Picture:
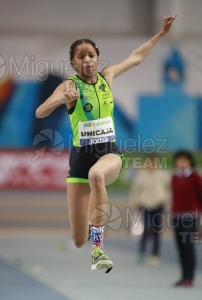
x,y
95,177
79,242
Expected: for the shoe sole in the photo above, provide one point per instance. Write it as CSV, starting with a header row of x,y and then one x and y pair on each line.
x,y
102,264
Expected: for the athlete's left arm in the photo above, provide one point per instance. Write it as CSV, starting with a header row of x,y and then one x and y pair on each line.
x,y
138,55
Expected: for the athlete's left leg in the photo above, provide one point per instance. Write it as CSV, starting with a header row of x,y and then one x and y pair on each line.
x,y
104,172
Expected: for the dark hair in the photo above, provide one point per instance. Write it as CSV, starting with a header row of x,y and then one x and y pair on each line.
x,y
80,42
186,154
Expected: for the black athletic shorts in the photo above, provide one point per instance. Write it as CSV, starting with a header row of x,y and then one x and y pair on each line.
x,y
83,158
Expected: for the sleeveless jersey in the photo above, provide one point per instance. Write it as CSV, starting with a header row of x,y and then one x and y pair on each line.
x,y
91,118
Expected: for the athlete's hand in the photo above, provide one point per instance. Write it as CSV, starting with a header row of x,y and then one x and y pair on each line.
x,y
71,95
167,22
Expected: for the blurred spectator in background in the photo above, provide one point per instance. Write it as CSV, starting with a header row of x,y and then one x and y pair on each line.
x,y
186,208
150,194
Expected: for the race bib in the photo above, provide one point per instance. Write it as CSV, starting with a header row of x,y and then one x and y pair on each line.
x,y
96,131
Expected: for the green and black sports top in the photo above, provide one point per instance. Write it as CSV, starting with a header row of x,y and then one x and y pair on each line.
x,y
91,118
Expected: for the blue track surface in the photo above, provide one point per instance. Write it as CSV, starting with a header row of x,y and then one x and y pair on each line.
x,y
16,285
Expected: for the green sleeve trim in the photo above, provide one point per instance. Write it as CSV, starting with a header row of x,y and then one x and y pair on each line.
x,y
77,180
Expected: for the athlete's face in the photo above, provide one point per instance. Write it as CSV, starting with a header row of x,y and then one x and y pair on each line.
x,y
85,60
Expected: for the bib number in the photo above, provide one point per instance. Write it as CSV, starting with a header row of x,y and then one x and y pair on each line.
x,y
96,131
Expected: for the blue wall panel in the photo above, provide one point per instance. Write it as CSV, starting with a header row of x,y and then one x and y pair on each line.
x,y
170,116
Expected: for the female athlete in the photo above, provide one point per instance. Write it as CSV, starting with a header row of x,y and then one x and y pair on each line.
x,y
95,160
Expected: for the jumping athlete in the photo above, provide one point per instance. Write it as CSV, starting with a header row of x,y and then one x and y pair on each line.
x,y
95,160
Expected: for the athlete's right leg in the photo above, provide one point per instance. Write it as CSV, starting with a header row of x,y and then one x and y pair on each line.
x,y
78,195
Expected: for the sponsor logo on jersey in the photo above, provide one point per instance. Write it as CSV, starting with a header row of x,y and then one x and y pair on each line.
x,y
88,107
98,132
102,87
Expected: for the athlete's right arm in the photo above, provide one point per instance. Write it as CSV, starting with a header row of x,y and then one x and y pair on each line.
x,y
65,93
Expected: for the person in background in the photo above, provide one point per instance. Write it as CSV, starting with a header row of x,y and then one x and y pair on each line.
x,y
150,193
186,209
